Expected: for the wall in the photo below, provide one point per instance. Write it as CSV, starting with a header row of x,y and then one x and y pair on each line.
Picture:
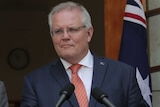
x,y
27,30
154,49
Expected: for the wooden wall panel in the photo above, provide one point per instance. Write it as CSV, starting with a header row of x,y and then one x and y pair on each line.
x,y
114,11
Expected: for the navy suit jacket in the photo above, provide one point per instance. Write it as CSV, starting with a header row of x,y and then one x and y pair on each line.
x,y
116,79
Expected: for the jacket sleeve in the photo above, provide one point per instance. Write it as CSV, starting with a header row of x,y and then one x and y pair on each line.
x,y
3,95
29,97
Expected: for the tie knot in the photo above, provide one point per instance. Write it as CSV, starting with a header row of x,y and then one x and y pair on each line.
x,y
75,67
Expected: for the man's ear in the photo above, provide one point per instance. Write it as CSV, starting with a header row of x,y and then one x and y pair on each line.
x,y
90,33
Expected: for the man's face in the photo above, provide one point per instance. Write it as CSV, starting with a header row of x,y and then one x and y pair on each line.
x,y
72,44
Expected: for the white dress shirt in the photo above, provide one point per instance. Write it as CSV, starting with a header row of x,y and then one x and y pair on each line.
x,y
85,72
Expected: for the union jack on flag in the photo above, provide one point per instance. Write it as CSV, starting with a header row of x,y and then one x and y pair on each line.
x,y
133,49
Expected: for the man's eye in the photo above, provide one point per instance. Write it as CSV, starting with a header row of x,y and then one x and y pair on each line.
x,y
58,31
73,30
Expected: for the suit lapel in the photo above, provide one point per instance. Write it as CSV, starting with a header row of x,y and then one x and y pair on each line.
x,y
99,72
59,73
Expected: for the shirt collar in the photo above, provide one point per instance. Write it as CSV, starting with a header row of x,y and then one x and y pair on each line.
x,y
86,61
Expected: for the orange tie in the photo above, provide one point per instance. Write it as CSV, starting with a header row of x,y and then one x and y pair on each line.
x,y
79,86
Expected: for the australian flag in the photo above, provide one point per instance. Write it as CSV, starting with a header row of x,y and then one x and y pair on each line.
x,y
133,49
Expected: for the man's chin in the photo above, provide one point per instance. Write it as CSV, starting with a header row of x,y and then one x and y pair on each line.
x,y
67,56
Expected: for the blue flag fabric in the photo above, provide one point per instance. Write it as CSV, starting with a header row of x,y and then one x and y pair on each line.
x,y
133,49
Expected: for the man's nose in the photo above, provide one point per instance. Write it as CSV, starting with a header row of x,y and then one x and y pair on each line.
x,y
65,33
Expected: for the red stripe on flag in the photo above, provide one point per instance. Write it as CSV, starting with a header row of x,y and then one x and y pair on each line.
x,y
134,16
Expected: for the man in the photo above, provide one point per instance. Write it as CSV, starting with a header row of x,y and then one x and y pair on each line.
x,y
3,95
71,31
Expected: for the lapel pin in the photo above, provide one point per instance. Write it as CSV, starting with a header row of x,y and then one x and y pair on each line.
x,y
101,63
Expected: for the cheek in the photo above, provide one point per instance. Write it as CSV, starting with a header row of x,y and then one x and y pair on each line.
x,y
82,42
55,42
